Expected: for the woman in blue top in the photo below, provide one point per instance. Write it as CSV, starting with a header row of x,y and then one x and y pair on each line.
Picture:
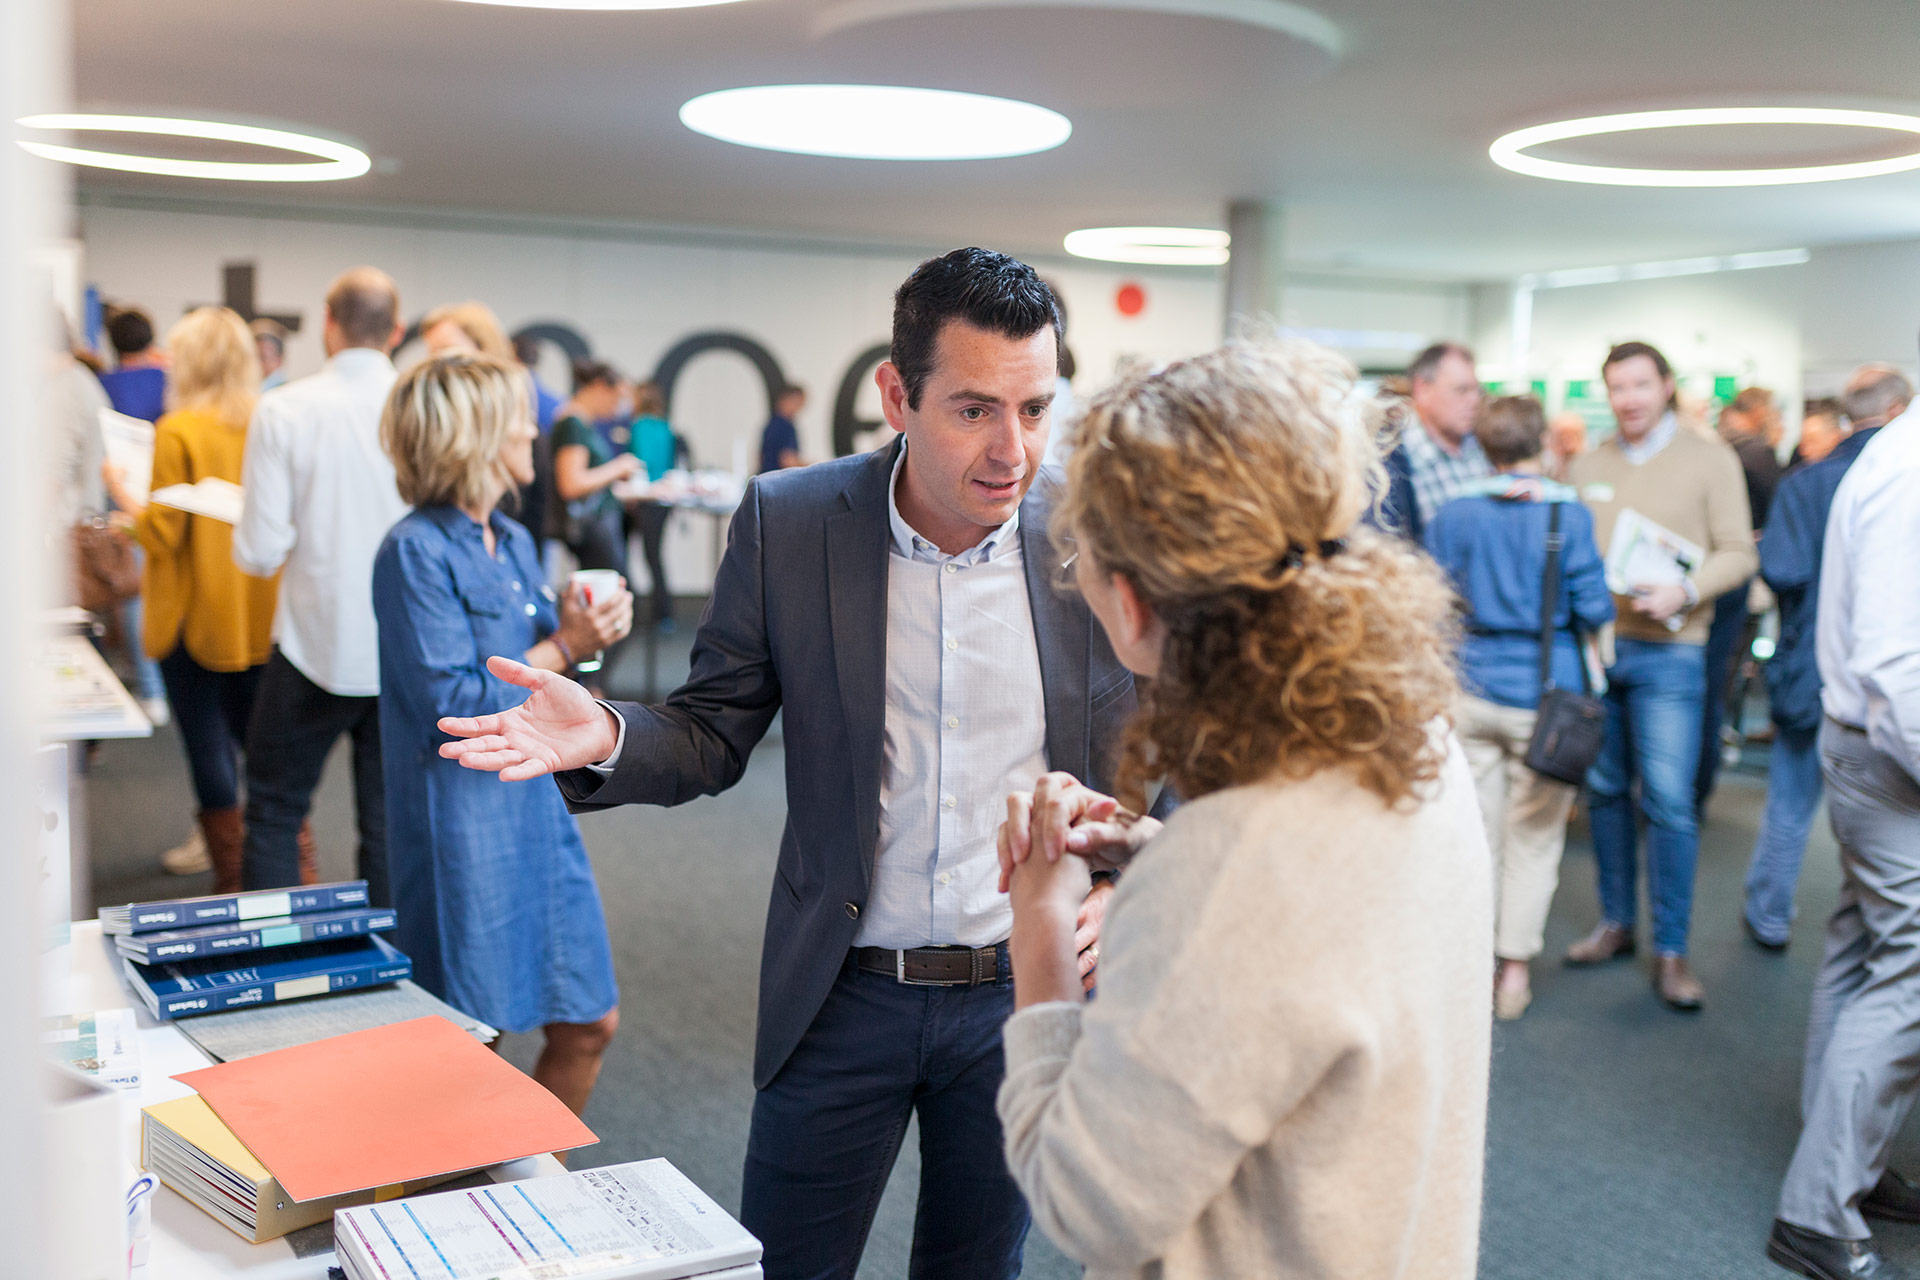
x,y
495,896
660,449
1492,540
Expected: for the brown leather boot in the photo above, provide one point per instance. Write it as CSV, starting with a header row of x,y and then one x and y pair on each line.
x,y
225,834
1673,980
309,859
1606,942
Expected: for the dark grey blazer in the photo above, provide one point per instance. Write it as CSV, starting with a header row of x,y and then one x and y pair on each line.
x,y
798,620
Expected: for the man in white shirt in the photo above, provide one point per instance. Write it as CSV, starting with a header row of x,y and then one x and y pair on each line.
x,y
1862,1070
320,496
902,608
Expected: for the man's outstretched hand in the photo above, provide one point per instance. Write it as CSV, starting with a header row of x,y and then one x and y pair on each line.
x,y
558,727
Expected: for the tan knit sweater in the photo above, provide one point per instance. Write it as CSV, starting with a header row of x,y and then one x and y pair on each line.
x,y
1285,1070
1693,487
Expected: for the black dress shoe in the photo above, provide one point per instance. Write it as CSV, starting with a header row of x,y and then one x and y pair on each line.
x,y
1819,1257
1892,1198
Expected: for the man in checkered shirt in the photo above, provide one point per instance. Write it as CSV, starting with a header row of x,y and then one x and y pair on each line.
x,y
1442,455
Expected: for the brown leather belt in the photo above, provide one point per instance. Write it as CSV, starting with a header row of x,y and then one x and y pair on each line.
x,y
933,966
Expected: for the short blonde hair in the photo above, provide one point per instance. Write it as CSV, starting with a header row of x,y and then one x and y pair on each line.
x,y
1226,490
216,367
477,321
446,427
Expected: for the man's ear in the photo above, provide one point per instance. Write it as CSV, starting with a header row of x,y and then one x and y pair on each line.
x,y
1136,618
893,395
393,339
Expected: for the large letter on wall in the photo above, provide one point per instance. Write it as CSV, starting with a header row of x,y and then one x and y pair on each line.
x,y
667,372
847,425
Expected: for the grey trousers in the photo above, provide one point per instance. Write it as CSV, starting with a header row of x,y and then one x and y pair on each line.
x,y
1863,1033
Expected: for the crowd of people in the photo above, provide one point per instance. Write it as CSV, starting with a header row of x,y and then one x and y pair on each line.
x,y
1065,871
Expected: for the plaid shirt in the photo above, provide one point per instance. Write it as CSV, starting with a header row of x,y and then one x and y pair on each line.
x,y
1439,476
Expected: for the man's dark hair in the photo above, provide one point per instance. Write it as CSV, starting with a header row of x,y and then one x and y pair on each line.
x,y
593,373
1624,351
130,332
985,289
1427,363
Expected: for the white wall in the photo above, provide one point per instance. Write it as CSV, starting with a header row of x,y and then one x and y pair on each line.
x,y
632,298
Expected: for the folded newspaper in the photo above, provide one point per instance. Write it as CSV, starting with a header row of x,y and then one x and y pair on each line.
x,y
1644,553
641,1221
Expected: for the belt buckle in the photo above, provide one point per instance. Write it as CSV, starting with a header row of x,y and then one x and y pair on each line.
x,y
900,974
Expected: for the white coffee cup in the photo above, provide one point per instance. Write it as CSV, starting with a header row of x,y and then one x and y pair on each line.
x,y
599,584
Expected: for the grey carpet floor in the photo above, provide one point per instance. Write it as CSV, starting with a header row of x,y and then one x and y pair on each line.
x,y
1625,1140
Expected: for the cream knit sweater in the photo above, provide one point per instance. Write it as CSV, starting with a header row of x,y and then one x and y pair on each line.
x,y
1285,1070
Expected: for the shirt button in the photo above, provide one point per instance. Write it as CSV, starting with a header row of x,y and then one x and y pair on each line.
x,y
953,644
952,568
946,877
516,586
530,609
947,802
853,912
953,722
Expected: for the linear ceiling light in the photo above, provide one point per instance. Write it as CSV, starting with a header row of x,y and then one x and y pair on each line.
x,y
875,122
1151,246
1509,152
333,160
1576,276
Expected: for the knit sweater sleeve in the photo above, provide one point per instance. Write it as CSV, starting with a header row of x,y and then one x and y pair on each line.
x,y
1731,555
1126,1117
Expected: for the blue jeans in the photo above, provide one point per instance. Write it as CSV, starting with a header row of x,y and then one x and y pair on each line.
x,y
1793,797
1653,737
827,1128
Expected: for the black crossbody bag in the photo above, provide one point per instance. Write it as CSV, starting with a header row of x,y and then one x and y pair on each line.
x,y
1570,727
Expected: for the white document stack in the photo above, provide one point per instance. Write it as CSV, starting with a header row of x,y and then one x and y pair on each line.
x,y
641,1221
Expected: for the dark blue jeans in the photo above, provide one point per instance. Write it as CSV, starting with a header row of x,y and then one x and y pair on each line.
x,y
210,710
827,1128
1793,797
1654,693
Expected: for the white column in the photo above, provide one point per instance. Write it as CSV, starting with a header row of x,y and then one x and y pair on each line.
x,y
1256,266
33,60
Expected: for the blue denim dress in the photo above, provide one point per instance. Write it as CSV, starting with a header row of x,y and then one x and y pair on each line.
x,y
496,899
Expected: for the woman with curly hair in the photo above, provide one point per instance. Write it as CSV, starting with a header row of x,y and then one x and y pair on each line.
x,y
1285,1070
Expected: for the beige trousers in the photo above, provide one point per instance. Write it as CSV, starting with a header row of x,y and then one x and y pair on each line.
x,y
1526,820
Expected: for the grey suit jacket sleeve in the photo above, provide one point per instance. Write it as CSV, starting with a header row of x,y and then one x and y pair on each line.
x,y
698,741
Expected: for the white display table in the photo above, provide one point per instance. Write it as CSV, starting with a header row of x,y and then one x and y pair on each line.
x,y
187,1243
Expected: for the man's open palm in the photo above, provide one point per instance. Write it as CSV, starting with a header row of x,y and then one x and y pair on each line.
x,y
558,727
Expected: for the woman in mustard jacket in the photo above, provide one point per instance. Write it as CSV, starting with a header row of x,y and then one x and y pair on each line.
x,y
208,624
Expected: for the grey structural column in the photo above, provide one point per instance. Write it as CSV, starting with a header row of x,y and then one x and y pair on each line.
x,y
1255,266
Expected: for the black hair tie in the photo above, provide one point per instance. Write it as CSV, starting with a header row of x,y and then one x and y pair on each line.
x,y
1296,555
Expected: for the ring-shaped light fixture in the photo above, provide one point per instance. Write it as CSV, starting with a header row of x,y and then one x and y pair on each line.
x,y
1509,152
333,160
1151,246
876,122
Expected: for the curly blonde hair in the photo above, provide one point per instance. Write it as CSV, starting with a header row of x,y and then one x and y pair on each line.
x,y
1226,489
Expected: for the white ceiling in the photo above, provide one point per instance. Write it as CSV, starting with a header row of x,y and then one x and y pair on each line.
x,y
1378,154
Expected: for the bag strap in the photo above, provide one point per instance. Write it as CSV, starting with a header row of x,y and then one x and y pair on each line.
x,y
1549,596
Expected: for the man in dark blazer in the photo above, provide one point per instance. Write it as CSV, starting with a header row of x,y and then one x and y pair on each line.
x,y
903,609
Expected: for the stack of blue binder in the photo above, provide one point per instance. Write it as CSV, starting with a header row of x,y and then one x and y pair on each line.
x,y
230,951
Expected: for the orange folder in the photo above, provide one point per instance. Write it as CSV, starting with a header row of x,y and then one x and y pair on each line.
x,y
390,1104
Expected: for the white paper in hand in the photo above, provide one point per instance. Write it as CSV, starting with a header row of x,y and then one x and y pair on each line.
x,y
212,497
129,447
1646,554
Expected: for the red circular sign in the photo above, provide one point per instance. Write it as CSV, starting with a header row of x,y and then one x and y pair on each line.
x,y
1131,299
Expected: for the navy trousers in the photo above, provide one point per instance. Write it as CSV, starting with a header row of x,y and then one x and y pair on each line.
x,y
827,1128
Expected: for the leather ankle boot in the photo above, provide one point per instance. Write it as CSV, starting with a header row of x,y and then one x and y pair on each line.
x,y
225,834
309,857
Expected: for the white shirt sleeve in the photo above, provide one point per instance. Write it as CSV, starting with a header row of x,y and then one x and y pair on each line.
x,y
1885,653
265,535
605,767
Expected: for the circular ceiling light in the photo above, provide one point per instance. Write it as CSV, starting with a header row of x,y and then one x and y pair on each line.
x,y
1152,246
1509,152
332,160
875,122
